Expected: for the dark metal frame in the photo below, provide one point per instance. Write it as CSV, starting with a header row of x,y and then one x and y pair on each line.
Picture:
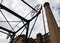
x,y
23,19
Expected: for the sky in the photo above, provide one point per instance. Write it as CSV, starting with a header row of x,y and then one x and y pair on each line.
x,y
22,9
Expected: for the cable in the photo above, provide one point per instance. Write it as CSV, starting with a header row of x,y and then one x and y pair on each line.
x,y
5,17
6,20
19,36
37,8
43,20
24,17
34,23
29,13
10,21
22,31
33,26
35,19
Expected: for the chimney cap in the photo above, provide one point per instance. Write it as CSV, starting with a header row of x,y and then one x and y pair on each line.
x,y
46,3
39,34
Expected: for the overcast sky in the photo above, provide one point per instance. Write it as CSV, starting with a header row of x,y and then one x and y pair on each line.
x,y
19,7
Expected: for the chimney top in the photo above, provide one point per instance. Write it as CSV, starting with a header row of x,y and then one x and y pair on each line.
x,y
46,4
39,34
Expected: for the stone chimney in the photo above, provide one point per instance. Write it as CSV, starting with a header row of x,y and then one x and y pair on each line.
x,y
59,28
39,38
52,25
21,39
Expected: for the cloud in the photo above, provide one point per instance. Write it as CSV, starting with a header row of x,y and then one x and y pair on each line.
x,y
17,7
55,7
22,9
4,41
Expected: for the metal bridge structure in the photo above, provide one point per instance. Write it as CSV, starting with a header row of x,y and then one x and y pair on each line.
x,y
34,13
12,33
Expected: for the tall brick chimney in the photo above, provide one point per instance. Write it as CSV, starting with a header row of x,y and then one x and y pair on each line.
x,y
52,25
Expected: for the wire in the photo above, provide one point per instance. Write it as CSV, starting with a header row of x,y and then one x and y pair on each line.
x,y
37,8
21,21
22,31
5,17
35,19
43,20
29,13
10,21
19,36
6,20
16,25
33,26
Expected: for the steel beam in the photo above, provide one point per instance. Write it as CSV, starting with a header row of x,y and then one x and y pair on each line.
x,y
21,28
12,12
36,14
29,5
6,29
